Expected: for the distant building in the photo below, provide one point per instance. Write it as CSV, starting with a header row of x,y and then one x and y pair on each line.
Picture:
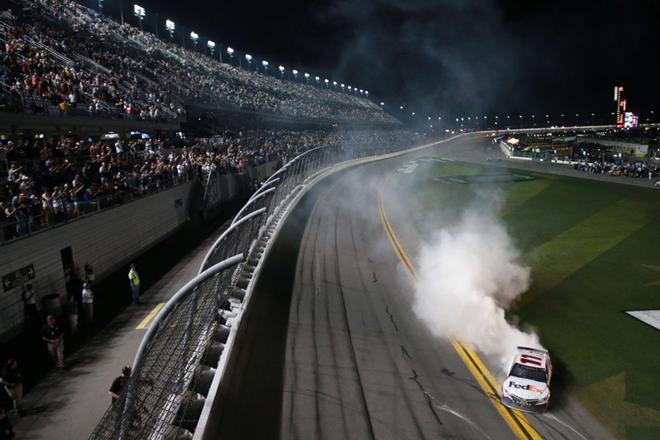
x,y
621,105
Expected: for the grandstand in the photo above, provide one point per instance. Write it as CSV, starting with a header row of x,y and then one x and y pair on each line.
x,y
59,57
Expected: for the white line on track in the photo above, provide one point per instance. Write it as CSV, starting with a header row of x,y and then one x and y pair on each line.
x,y
564,424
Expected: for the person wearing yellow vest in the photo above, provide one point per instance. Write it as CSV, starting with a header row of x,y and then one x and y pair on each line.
x,y
134,281
89,274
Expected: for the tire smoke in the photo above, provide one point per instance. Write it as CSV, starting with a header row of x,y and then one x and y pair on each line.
x,y
469,274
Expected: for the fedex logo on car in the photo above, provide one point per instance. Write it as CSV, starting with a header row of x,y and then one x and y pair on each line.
x,y
527,387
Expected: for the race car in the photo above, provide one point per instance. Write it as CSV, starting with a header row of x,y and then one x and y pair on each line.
x,y
527,387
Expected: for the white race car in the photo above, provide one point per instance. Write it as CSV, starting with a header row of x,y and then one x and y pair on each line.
x,y
527,386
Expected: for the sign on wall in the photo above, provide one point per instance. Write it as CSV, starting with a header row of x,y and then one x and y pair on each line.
x,y
17,277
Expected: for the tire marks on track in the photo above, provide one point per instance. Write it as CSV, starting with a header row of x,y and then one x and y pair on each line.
x,y
398,374
349,335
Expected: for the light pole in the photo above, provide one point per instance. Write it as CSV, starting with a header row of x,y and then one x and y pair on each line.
x,y
295,74
317,79
230,51
334,84
326,81
170,26
194,37
140,13
281,69
577,116
306,75
264,63
248,58
211,45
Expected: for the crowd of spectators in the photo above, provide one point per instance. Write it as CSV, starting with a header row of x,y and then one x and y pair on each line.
x,y
47,181
634,168
59,55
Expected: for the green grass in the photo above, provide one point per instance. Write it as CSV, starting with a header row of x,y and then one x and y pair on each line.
x,y
592,247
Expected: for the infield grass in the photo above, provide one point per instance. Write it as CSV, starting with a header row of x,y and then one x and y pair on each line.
x,y
594,251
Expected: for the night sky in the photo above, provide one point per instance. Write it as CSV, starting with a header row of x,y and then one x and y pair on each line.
x,y
446,57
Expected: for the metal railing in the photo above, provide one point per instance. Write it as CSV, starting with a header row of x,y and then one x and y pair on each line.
x,y
184,345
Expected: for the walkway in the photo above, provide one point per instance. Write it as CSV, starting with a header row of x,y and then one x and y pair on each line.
x,y
68,403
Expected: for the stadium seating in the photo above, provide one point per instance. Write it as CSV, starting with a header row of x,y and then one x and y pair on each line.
x,y
61,57
44,182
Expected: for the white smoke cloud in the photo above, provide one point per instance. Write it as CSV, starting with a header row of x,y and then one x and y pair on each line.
x,y
469,274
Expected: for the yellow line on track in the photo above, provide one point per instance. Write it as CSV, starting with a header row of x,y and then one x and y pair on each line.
x,y
147,319
514,419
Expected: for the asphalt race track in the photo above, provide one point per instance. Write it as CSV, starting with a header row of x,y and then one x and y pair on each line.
x,y
334,351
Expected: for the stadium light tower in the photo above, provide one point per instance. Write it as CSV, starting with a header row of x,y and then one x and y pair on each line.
x,y
211,45
281,69
230,51
342,87
326,81
248,58
366,92
140,13
350,88
317,79
334,84
169,25
265,64
194,37
306,75
295,73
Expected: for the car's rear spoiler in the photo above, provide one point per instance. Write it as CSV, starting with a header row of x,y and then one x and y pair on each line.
x,y
540,350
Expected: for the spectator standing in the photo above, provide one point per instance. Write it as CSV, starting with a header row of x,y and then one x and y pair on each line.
x,y
30,303
120,383
12,376
53,335
88,303
134,281
89,276
6,405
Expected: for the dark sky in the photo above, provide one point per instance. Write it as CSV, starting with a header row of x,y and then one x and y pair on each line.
x,y
449,57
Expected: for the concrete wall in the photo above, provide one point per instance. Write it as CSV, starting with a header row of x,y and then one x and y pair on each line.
x,y
106,240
